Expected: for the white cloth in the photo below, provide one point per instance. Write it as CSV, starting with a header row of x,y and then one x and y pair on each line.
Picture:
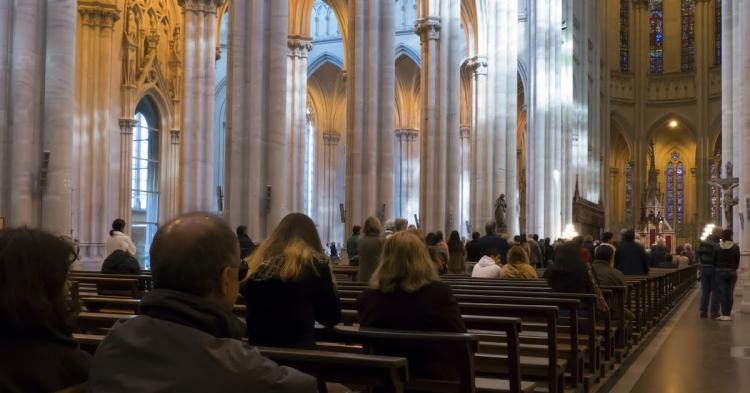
x,y
119,241
486,268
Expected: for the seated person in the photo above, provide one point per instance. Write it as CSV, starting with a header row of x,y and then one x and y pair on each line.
x,y
406,294
185,338
605,273
37,350
568,272
668,263
518,266
488,266
289,287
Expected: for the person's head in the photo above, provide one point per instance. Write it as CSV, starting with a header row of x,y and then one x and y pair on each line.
x,y
517,255
439,235
404,265
547,241
389,226
372,227
628,235
475,236
34,268
660,242
604,253
588,238
197,253
568,257
412,227
688,247
716,232
118,225
517,239
431,239
535,237
356,229
401,224
726,235
489,229
294,243
241,231
607,237
494,253
522,238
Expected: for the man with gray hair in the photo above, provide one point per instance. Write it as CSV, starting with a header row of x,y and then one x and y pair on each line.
x,y
185,337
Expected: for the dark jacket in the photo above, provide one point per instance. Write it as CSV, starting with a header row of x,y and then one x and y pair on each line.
x,y
369,248
184,343
590,247
608,276
728,256
488,242
246,246
283,313
431,308
473,251
121,262
631,259
39,360
708,251
658,255
352,249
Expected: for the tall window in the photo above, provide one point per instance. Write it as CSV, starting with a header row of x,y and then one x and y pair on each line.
x,y
629,192
687,12
145,179
717,33
675,190
656,29
624,35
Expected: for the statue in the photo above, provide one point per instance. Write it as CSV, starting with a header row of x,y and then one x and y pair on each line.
x,y
727,185
500,208
729,203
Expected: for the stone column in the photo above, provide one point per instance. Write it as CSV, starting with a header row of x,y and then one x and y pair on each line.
x,y
257,133
464,176
741,139
171,203
440,81
330,217
481,165
96,125
6,35
199,21
370,110
406,173
299,48
126,176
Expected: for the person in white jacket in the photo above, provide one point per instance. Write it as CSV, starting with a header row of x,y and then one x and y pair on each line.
x,y
118,240
488,266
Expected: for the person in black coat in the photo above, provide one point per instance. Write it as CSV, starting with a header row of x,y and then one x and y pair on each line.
x,y
491,240
630,257
727,263
659,253
289,287
568,272
406,294
473,250
246,244
37,351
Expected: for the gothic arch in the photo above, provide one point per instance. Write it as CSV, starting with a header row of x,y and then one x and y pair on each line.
x,y
413,55
664,120
321,60
626,129
407,93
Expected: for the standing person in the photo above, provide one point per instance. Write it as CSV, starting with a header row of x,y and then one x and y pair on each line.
x,y
518,266
708,251
246,244
681,259
488,266
289,287
118,240
406,294
352,243
490,240
690,253
185,337
473,250
441,242
370,246
549,252
727,263
456,255
38,352
630,257
536,258
659,253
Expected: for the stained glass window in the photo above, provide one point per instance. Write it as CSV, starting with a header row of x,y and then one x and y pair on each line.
x,y
145,177
670,191
680,195
624,35
629,193
656,36
687,12
717,35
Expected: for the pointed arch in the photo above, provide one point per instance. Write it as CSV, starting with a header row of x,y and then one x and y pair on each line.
x,y
324,58
413,55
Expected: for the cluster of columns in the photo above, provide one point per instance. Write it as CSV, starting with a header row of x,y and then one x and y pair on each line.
x,y
736,123
406,171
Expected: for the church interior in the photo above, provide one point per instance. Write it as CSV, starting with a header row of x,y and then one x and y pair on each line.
x,y
528,123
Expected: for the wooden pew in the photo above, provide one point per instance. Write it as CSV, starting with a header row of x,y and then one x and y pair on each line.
x,y
125,286
145,281
347,271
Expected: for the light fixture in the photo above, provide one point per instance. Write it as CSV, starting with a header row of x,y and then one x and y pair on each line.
x,y
569,233
673,124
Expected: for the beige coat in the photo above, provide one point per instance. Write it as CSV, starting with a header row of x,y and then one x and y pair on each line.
x,y
521,271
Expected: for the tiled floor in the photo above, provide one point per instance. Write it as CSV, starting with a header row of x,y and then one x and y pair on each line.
x,y
696,356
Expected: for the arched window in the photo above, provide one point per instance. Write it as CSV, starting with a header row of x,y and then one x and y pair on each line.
x,y
656,36
670,191
688,34
717,34
145,179
624,35
629,192
675,197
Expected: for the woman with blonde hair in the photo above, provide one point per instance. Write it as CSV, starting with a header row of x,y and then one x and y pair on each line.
x,y
289,286
370,246
518,266
406,294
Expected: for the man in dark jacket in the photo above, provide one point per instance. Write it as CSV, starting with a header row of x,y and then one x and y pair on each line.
x,y
630,257
352,246
606,275
491,240
708,251
727,263
185,338
473,251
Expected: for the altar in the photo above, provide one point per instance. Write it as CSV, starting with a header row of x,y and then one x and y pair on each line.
x,y
653,226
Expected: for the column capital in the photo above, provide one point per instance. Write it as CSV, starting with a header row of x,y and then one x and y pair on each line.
x,y
98,14
126,125
428,28
407,133
477,65
174,136
299,46
201,5
331,138
465,132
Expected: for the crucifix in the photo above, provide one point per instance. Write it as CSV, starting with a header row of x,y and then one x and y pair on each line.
x,y
727,185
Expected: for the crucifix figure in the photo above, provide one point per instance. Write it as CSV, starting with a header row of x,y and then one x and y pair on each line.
x,y
727,185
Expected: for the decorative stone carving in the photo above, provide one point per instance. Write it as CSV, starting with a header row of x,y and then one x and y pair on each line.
x,y
428,28
331,138
201,5
477,65
127,125
299,47
98,14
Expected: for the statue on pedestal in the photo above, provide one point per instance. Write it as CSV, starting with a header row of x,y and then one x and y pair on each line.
x,y
500,208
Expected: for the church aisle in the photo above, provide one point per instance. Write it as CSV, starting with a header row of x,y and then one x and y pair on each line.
x,y
697,356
